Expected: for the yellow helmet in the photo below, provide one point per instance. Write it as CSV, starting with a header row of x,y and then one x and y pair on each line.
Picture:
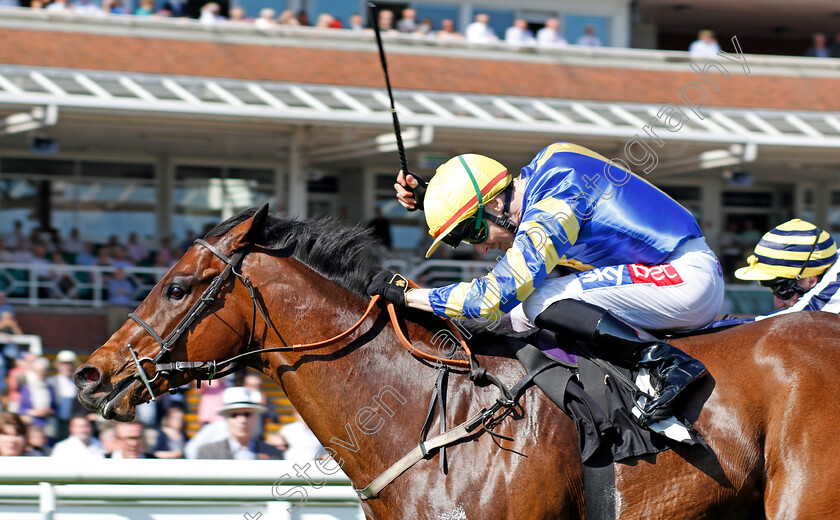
x,y
795,249
452,196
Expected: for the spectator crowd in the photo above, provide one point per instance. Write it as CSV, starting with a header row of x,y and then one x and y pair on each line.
x,y
40,416
50,256
480,31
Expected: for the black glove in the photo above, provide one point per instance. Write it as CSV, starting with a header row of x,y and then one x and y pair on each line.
x,y
390,286
419,192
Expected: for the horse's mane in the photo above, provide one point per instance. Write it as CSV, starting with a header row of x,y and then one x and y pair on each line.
x,y
347,255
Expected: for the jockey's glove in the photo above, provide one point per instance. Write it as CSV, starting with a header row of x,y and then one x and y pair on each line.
x,y
390,286
419,192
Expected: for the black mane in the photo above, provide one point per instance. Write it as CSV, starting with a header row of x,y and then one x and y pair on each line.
x,y
347,255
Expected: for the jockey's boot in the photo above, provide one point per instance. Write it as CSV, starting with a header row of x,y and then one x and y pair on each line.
x,y
614,340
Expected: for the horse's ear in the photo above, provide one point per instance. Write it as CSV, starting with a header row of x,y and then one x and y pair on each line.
x,y
247,232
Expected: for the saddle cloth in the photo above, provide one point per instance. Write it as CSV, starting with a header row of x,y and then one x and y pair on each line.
x,y
612,425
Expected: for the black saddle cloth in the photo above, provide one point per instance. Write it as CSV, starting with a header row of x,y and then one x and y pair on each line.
x,y
611,425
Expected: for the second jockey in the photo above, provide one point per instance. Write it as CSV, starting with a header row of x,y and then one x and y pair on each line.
x,y
641,258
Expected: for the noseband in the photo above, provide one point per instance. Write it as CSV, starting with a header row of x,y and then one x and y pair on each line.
x,y
166,345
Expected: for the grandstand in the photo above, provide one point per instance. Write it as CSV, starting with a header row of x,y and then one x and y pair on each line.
x,y
162,127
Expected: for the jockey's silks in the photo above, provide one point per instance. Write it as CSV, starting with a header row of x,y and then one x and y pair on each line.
x,y
578,209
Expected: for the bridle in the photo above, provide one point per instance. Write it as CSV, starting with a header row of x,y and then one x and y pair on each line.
x,y
215,369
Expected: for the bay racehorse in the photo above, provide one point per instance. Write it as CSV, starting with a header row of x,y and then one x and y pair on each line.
x,y
770,416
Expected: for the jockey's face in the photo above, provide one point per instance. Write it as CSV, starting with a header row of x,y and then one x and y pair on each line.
x,y
805,283
497,238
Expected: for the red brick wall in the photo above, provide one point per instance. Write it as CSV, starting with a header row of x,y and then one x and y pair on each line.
x,y
409,71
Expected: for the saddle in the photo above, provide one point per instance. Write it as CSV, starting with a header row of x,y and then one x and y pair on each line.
x,y
599,397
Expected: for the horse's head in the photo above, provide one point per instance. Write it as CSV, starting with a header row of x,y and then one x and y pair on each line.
x,y
190,315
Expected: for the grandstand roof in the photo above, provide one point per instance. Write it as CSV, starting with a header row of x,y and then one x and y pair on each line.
x,y
306,56
75,90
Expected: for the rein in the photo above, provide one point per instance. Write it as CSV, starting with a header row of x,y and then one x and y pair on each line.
x,y
217,369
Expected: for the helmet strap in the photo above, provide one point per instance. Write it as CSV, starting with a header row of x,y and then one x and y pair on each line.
x,y
479,214
808,259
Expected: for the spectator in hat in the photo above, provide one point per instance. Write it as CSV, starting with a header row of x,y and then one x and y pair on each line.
x,y
81,443
240,411
65,390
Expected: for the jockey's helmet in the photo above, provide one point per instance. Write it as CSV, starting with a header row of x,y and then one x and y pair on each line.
x,y
795,249
455,198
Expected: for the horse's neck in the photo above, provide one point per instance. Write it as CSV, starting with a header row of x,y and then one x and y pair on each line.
x,y
363,397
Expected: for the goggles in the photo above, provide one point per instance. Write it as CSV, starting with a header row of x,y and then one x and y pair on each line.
x,y
471,231
784,288
787,288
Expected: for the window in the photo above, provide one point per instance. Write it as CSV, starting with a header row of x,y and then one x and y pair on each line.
x,y
339,9
438,13
408,228
207,195
574,26
253,7
98,198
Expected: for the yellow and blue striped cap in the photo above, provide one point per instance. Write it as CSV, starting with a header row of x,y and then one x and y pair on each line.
x,y
784,250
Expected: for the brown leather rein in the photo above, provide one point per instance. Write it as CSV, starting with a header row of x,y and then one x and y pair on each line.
x,y
213,367
392,311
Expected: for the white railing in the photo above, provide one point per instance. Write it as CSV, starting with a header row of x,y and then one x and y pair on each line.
x,y
45,488
55,284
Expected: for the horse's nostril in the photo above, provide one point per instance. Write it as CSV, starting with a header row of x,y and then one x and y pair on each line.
x,y
87,376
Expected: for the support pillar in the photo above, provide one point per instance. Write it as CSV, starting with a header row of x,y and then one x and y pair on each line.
x,y
165,193
297,196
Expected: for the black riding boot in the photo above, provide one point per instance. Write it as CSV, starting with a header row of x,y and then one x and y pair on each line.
x,y
614,340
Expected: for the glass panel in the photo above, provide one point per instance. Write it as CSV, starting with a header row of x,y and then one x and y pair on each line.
x,y
121,170
437,13
253,7
262,176
18,200
36,166
102,209
206,195
575,26
339,9
197,172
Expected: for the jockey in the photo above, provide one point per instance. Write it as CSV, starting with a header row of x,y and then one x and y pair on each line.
x,y
797,261
642,260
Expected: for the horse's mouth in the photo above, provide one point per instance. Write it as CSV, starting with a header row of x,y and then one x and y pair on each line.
x,y
118,405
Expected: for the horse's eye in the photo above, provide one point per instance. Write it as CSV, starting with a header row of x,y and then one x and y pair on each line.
x,y
176,292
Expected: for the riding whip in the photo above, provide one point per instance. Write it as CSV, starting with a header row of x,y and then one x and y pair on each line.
x,y
419,191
